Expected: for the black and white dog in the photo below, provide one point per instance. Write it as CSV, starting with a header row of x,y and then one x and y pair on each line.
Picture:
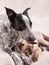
x,y
14,27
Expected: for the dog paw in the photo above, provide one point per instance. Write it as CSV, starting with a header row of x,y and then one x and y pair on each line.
x,y
34,59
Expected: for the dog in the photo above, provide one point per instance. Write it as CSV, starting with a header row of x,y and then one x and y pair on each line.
x,y
14,27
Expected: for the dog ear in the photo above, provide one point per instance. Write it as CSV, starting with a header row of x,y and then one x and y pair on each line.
x,y
26,11
20,45
10,12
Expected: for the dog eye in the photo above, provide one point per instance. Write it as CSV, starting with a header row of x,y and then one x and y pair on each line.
x,y
22,25
21,28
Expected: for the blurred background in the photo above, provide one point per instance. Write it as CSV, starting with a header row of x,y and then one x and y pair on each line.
x,y
39,12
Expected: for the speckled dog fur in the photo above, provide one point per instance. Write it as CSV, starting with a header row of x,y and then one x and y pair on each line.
x,y
11,32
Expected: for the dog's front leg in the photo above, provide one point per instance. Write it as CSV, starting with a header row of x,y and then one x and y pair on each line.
x,y
17,59
36,52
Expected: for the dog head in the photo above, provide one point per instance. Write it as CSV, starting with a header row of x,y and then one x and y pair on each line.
x,y
21,23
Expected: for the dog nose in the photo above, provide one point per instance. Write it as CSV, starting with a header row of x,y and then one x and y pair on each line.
x,y
31,39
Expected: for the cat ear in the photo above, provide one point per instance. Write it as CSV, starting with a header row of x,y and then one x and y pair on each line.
x,y
10,12
26,11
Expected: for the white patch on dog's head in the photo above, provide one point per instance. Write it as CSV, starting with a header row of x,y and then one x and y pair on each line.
x,y
26,20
